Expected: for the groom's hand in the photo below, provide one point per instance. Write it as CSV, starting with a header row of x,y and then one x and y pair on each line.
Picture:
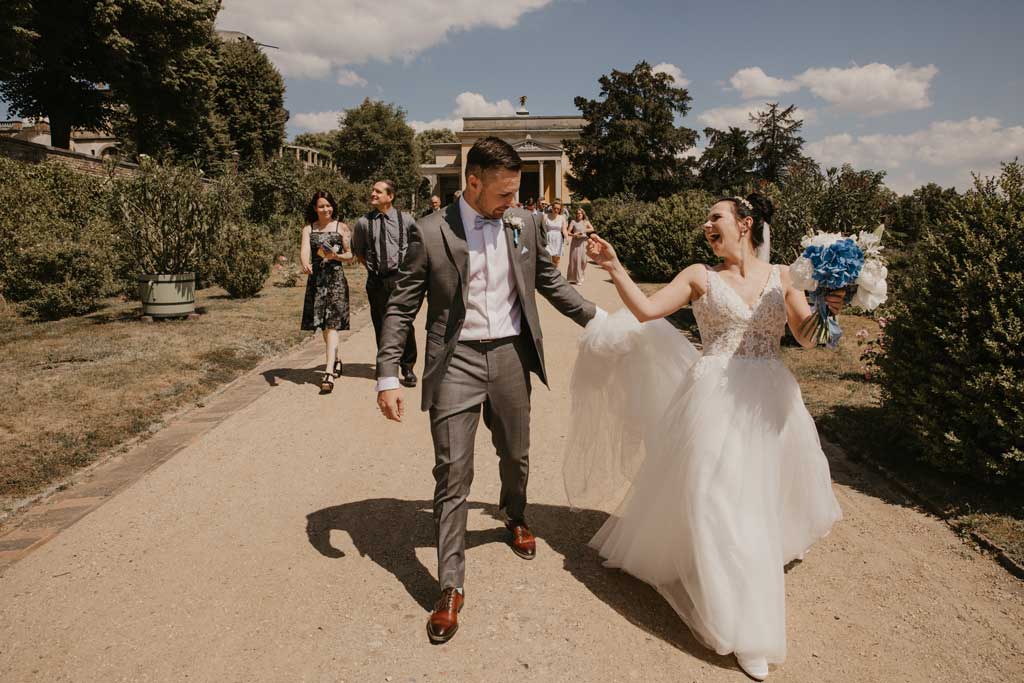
x,y
391,404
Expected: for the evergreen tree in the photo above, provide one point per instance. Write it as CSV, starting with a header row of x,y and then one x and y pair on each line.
x,y
726,166
630,144
250,98
776,141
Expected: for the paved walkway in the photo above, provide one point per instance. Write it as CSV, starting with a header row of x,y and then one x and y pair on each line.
x,y
283,535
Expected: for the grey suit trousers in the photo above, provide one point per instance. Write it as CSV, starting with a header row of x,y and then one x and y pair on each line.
x,y
493,376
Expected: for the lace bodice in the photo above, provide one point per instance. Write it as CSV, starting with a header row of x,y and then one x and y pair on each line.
x,y
729,328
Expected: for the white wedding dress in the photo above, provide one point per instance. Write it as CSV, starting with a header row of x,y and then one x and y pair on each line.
x,y
726,478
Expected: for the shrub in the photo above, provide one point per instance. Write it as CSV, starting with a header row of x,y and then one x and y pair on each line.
x,y
169,219
244,261
56,244
953,370
656,240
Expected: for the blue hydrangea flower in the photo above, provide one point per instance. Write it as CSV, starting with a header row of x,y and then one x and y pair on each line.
x,y
836,266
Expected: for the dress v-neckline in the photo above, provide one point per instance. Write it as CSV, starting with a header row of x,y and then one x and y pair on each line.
x,y
764,288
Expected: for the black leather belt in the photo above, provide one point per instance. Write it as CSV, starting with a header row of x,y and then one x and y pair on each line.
x,y
487,344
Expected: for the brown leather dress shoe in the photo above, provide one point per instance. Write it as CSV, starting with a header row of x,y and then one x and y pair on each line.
x,y
524,543
444,620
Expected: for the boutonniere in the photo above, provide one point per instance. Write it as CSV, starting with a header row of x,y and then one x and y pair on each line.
x,y
515,224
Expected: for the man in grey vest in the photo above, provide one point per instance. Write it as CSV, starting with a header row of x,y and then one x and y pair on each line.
x,y
380,241
479,263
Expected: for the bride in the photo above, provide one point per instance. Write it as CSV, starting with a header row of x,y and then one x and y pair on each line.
x,y
726,478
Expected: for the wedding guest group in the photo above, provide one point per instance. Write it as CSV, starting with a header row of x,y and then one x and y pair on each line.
x,y
326,245
380,241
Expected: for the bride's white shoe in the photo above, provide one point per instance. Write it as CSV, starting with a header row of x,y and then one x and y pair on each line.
x,y
755,667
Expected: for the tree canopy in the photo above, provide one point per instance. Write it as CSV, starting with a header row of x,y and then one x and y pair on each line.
x,y
630,143
375,142
250,98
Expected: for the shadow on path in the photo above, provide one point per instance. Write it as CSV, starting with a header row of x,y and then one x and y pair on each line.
x,y
388,531
312,375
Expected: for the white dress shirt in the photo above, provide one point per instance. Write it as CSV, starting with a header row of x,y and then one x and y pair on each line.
x,y
492,304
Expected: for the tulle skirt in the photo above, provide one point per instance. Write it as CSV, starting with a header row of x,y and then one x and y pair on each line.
x,y
732,485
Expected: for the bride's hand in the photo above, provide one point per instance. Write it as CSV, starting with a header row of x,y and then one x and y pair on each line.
x,y
601,253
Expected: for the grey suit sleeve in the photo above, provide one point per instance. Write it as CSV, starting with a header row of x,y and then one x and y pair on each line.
x,y
553,287
403,305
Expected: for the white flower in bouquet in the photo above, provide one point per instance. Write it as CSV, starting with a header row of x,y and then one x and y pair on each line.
x,y
872,286
802,272
871,242
821,239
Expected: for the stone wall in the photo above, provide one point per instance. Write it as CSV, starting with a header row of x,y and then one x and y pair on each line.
x,y
35,153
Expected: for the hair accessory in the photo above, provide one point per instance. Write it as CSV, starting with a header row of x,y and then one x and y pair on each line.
x,y
744,202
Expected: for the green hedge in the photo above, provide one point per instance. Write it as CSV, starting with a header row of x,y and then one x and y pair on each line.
x,y
655,240
953,371
57,244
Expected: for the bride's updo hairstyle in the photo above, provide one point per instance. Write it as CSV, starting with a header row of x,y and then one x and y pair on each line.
x,y
755,205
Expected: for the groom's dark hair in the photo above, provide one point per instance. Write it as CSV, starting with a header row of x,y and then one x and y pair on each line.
x,y
491,153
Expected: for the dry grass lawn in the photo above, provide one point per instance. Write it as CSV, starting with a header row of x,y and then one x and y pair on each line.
x,y
73,389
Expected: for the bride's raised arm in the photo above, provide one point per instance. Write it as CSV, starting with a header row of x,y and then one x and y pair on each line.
x,y
669,299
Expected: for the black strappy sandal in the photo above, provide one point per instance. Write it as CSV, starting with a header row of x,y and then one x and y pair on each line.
x,y
327,383
338,368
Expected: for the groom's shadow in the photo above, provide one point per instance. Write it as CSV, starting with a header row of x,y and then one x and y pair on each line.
x,y
388,531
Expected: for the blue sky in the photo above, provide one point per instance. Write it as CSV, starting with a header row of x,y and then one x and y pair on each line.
x,y
927,91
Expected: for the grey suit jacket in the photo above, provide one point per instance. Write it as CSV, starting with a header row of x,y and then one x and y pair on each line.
x,y
437,265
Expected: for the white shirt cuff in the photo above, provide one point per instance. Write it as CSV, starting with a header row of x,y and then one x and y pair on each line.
x,y
387,383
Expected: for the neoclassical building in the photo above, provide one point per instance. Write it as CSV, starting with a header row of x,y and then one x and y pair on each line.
x,y
537,139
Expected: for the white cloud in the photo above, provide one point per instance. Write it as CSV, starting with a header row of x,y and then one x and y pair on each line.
x,y
360,30
316,122
948,150
674,71
450,124
347,77
474,104
754,82
872,89
723,118
467,104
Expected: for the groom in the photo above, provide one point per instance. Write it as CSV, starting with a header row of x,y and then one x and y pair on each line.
x,y
479,272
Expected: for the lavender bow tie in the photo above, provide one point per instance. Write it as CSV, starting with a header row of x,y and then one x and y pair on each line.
x,y
479,222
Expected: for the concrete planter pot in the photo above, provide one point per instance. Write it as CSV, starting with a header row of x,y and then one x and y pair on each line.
x,y
167,296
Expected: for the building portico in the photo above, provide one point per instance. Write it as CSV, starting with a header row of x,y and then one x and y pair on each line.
x,y
537,139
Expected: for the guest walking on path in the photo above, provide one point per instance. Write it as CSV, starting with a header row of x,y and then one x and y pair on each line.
x,y
579,229
326,245
380,241
554,228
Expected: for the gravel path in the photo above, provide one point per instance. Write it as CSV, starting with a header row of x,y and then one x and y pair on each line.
x,y
294,542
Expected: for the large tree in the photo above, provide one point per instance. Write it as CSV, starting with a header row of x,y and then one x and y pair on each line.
x,y
776,141
375,142
250,98
726,166
630,143
425,138
16,35
163,69
52,60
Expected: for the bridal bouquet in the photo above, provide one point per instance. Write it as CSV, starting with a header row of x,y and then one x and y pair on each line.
x,y
832,261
